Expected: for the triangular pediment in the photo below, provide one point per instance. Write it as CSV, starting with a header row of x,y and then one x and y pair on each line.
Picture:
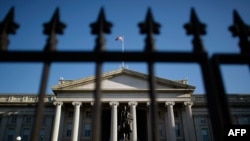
x,y
122,79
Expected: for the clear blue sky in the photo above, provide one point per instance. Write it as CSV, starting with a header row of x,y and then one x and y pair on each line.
x,y
125,16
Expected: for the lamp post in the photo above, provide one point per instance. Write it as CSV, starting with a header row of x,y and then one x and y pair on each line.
x,y
18,138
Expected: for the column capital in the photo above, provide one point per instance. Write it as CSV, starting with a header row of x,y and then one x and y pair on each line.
x,y
76,103
188,103
113,103
59,103
132,103
170,103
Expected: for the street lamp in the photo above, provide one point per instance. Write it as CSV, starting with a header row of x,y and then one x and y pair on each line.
x,y
18,138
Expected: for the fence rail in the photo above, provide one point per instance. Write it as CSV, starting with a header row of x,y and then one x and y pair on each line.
x,y
210,66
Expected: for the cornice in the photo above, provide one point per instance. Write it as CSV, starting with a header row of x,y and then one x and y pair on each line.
x,y
181,91
15,100
22,99
233,99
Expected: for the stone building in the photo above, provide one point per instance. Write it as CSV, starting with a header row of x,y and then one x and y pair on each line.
x,y
183,115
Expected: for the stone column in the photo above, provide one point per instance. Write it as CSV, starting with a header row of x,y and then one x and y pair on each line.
x,y
62,118
18,126
171,121
190,123
56,120
3,127
114,131
134,123
76,120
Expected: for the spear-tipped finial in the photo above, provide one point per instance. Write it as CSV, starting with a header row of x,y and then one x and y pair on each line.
x,y
7,26
54,25
240,29
51,28
196,28
100,27
149,27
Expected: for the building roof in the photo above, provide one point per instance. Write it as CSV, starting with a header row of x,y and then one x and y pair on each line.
x,y
122,79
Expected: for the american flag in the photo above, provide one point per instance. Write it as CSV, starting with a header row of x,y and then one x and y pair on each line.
x,y
119,38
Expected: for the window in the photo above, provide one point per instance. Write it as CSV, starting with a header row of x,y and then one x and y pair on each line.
x,y
25,136
42,135
0,121
244,120
203,120
44,120
28,119
88,114
204,134
13,120
10,134
177,130
70,114
69,130
161,129
161,114
176,114
87,130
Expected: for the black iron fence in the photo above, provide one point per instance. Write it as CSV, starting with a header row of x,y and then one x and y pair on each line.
x,y
210,66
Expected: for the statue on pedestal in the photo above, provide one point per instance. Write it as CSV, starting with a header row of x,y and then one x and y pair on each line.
x,y
125,126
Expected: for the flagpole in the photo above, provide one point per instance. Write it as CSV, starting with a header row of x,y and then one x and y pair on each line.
x,y
123,66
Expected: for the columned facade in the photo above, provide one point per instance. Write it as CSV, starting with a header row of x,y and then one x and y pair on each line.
x,y
182,116
168,127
